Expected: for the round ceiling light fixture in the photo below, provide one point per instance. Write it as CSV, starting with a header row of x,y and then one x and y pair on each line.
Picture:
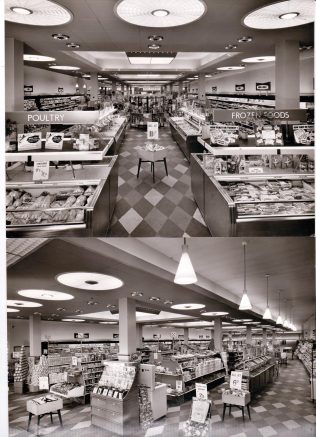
x,y
73,45
257,59
21,11
188,306
230,68
245,39
154,46
215,313
37,13
64,67
38,58
89,281
73,320
60,36
155,38
283,14
45,294
160,13
23,304
12,310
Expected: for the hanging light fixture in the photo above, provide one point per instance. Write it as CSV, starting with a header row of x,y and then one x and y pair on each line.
x,y
245,303
279,319
285,323
267,314
185,272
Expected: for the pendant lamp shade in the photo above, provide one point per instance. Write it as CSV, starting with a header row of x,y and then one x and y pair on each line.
x,y
185,272
245,303
279,319
267,314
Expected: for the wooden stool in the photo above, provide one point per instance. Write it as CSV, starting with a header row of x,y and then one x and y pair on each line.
x,y
152,157
41,410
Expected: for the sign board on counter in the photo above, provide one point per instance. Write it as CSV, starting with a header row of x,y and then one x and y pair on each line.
x,y
28,88
43,383
201,391
116,335
240,87
54,140
81,335
263,86
199,411
179,385
30,141
152,130
60,90
235,380
229,115
41,171
54,117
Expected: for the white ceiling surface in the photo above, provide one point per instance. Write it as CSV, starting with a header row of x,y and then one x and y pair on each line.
x,y
19,248
218,263
140,316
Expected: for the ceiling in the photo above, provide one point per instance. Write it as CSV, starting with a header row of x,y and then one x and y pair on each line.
x,y
148,265
99,31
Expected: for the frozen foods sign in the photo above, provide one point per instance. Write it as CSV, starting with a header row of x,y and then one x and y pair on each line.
x,y
271,114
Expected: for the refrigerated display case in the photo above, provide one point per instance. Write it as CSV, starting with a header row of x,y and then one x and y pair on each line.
x,y
62,205
263,201
185,131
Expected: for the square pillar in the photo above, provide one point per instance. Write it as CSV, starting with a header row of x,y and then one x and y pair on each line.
x,y
35,335
139,335
287,75
218,344
14,75
127,328
264,337
201,87
248,335
94,84
185,335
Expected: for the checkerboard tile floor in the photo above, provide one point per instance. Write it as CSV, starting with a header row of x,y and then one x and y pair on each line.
x,y
164,209
271,414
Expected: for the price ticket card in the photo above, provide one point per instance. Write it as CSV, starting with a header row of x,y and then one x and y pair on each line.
x,y
41,171
235,380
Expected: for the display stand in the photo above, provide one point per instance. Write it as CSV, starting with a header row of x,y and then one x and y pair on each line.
x,y
238,395
199,421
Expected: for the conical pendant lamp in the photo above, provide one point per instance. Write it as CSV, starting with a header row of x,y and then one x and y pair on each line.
x,y
279,319
245,303
267,314
185,272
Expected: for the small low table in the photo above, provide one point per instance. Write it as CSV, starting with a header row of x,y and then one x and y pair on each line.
x,y
230,401
152,156
38,407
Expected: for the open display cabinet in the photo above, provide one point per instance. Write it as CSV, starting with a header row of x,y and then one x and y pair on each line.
x,y
181,372
260,371
114,400
255,192
306,352
185,131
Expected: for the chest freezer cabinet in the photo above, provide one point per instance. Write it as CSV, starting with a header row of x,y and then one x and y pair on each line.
x,y
67,206
254,205
186,136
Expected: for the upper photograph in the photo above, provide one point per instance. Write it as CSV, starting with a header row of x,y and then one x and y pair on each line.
x,y
159,118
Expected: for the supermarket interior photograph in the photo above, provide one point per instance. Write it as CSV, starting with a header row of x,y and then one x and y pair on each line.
x,y
158,173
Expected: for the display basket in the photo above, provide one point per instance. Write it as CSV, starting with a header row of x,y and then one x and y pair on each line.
x,y
199,422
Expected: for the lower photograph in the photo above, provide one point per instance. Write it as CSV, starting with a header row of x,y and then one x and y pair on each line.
x,y
161,336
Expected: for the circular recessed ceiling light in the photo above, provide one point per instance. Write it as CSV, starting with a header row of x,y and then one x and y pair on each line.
x,y
154,46
37,13
72,320
108,323
137,294
60,36
45,294
155,38
245,39
215,313
231,47
233,67
63,67
38,58
259,59
12,310
73,45
21,11
188,306
154,299
282,14
23,304
89,281
170,13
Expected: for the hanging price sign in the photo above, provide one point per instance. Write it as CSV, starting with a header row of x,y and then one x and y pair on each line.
x,y
235,380
152,131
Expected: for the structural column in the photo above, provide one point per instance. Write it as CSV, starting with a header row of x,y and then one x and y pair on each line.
x,y
127,328
139,335
94,84
114,87
218,334
35,335
201,86
264,337
248,335
287,75
185,335
14,75
273,338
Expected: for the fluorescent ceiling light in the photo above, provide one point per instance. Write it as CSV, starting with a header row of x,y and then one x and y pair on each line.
x,y
63,67
45,294
233,67
215,313
281,15
139,60
242,320
185,273
188,306
23,304
251,323
38,58
37,13
12,310
108,323
89,281
259,59
73,320
170,13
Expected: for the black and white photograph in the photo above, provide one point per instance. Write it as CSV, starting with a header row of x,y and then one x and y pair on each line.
x,y
158,238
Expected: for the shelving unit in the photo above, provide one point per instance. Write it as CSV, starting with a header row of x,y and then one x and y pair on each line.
x,y
53,102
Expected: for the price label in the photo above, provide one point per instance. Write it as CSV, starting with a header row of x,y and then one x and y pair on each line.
x,y
255,170
235,380
43,383
179,385
201,391
74,361
155,356
41,171
152,131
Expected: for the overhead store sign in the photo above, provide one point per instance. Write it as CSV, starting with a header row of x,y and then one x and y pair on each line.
x,y
54,117
241,87
28,88
263,86
246,114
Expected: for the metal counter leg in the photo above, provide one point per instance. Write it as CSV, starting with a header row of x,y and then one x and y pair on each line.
x,y
60,420
224,409
248,408
165,162
139,164
29,421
